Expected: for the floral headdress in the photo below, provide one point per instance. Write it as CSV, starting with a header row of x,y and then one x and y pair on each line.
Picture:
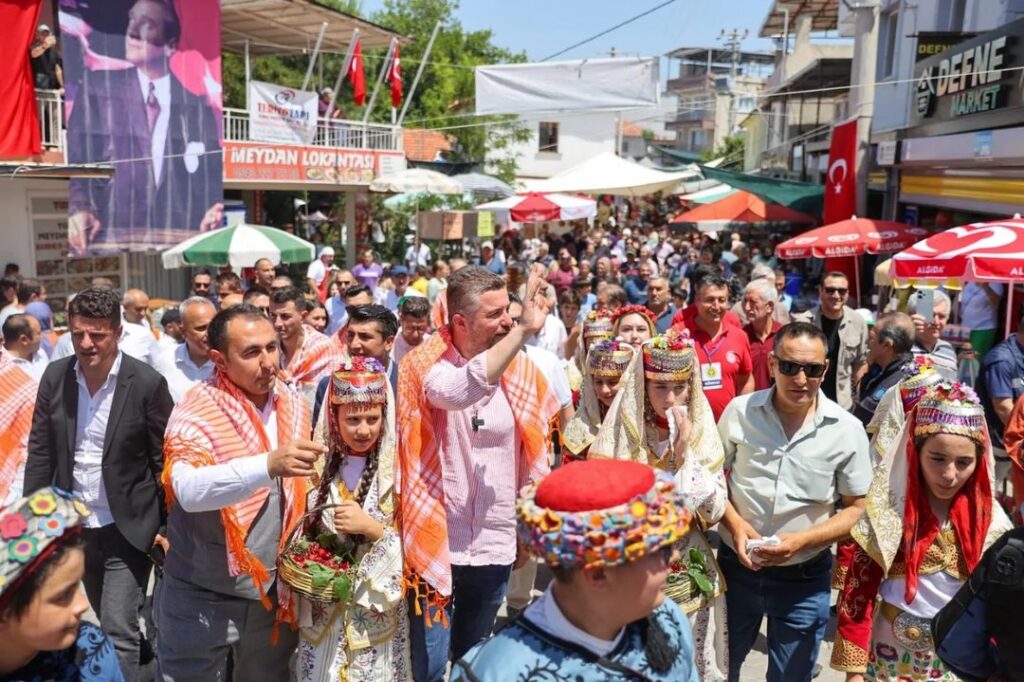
x,y
634,310
597,325
951,408
608,358
920,375
601,513
669,357
30,530
360,380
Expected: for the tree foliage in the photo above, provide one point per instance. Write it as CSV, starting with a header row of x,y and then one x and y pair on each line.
x,y
732,149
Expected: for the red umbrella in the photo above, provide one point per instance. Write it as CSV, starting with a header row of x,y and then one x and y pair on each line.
x,y
988,252
979,252
536,207
742,207
853,237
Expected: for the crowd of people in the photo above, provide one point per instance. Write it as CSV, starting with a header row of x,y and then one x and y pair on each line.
x,y
688,438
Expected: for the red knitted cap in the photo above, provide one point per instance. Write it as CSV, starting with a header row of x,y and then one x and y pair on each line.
x,y
594,484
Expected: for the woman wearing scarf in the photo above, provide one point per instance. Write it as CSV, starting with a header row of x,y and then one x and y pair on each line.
x,y
41,599
660,417
884,429
367,637
606,362
930,514
597,325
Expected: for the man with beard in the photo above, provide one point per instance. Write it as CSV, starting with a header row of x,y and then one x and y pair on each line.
x,y
473,415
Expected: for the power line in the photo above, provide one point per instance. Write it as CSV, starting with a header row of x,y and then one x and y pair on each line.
x,y
608,30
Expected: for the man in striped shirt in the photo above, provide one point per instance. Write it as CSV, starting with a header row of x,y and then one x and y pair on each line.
x,y
472,401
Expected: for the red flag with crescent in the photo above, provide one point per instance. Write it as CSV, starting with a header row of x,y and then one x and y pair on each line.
x,y
395,79
356,75
841,177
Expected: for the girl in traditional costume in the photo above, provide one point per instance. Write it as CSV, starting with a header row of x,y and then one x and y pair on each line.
x,y
660,417
633,324
930,515
606,362
367,636
884,429
597,325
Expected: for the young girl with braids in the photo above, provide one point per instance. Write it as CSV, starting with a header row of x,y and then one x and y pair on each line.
x,y
366,637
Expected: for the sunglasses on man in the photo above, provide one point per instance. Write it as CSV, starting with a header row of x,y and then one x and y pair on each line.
x,y
831,291
813,370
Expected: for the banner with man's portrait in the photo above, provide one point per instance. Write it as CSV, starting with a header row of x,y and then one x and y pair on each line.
x,y
143,94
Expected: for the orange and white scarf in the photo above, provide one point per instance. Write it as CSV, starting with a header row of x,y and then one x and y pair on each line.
x,y
17,404
423,519
215,423
315,358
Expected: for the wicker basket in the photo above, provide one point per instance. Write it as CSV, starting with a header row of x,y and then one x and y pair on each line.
x,y
298,577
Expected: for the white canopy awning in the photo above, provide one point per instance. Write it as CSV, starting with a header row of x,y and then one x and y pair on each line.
x,y
607,173
706,196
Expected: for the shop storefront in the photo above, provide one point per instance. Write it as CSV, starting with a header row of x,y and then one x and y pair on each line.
x,y
962,157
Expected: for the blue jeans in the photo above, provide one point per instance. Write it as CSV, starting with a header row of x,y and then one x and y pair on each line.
x,y
477,593
796,601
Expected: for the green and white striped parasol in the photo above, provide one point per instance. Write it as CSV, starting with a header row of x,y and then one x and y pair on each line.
x,y
240,246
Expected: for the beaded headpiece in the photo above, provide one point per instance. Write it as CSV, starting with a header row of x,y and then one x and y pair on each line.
x,y
597,325
359,380
950,408
921,375
634,310
30,529
608,358
601,513
669,357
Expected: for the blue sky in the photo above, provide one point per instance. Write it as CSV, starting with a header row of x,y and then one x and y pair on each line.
x,y
543,27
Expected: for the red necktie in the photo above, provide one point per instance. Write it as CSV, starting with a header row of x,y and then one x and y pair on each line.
x,y
152,107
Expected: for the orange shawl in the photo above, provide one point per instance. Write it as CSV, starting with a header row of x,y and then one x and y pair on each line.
x,y
215,423
315,359
439,311
424,523
17,404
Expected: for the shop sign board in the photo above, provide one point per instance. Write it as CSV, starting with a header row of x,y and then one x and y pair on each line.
x,y
976,76
270,164
280,114
931,43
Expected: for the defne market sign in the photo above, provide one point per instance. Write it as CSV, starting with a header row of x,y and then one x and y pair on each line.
x,y
971,78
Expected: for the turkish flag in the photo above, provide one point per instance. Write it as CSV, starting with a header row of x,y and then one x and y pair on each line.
x,y
356,75
20,135
395,78
841,178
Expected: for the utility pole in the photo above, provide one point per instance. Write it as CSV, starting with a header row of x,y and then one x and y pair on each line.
x,y
733,42
862,89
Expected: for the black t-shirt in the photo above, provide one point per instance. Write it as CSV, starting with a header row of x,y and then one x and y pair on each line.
x,y
44,70
831,329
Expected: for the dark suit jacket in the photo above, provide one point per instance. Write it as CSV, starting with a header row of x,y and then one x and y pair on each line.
x,y
132,450
108,122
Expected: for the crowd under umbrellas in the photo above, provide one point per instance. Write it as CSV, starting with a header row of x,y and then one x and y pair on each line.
x,y
352,473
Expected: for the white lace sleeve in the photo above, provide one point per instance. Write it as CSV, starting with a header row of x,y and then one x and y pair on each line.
x,y
703,491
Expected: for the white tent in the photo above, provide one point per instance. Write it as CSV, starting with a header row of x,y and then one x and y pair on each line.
x,y
607,173
706,196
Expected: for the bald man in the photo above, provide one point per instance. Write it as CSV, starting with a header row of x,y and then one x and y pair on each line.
x,y
265,273
135,304
189,363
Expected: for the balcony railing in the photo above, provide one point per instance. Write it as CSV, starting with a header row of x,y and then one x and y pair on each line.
x,y
335,133
50,108
331,133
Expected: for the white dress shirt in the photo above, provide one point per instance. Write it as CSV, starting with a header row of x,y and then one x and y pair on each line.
x,y
551,336
181,372
337,315
139,342
166,343
158,138
90,434
545,614
34,367
63,348
216,486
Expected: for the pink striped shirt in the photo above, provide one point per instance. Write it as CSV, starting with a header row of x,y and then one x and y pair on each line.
x,y
483,469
